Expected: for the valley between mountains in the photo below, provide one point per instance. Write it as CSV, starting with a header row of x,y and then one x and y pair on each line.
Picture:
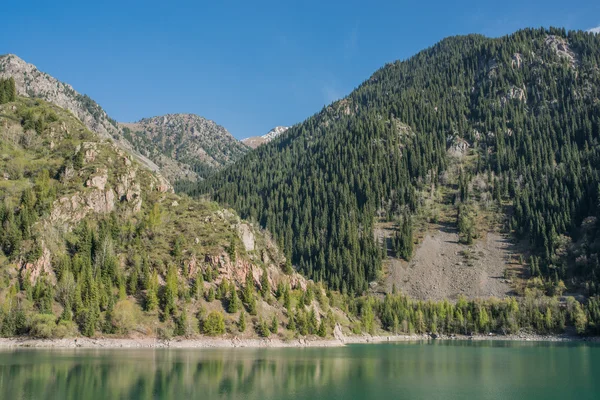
x,y
455,192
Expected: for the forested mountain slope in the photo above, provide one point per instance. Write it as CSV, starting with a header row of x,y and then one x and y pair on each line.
x,y
525,108
91,242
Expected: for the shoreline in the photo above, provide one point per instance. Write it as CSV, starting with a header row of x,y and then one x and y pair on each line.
x,y
256,343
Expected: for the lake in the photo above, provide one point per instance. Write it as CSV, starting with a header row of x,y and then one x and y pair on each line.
x,y
422,370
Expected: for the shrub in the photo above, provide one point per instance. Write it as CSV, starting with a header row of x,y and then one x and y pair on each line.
x,y
43,326
125,316
214,324
65,329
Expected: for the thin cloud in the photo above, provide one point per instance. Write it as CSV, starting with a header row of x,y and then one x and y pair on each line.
x,y
594,30
330,94
351,43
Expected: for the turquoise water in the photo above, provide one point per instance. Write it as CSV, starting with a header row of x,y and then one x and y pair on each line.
x,y
428,370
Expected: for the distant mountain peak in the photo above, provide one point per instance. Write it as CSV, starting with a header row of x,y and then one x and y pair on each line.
x,y
185,146
273,133
256,141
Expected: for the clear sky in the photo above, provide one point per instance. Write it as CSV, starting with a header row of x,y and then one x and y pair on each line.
x,y
248,65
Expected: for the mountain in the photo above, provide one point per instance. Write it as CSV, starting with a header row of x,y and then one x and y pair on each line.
x,y
471,136
198,146
256,141
431,175
93,242
31,82
203,146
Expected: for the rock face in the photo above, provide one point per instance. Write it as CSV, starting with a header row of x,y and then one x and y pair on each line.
x,y
185,146
457,146
273,133
98,195
338,334
561,47
98,181
76,207
236,272
31,82
247,236
41,266
256,141
128,189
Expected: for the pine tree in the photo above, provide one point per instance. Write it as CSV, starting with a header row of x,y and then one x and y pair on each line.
x,y
181,327
312,321
287,301
152,293
234,301
170,291
262,328
265,289
274,325
291,322
242,322
322,332
197,286
210,295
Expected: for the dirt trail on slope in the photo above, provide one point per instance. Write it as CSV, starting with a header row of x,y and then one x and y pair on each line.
x,y
442,268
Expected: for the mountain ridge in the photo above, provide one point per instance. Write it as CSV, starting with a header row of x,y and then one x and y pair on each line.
x,y
31,82
416,130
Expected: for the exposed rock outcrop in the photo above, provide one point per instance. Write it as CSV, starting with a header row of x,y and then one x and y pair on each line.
x,y
247,236
561,47
514,93
98,180
129,190
457,146
41,266
74,208
236,271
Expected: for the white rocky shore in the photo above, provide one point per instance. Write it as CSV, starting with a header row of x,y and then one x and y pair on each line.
x,y
224,342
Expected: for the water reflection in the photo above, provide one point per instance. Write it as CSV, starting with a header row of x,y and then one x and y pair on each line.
x,y
435,370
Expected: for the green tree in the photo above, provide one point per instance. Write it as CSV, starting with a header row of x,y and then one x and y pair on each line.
x,y
214,324
242,322
170,291
151,302
322,332
234,301
265,288
274,325
262,328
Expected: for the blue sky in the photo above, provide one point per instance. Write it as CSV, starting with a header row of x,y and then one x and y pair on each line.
x,y
248,65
